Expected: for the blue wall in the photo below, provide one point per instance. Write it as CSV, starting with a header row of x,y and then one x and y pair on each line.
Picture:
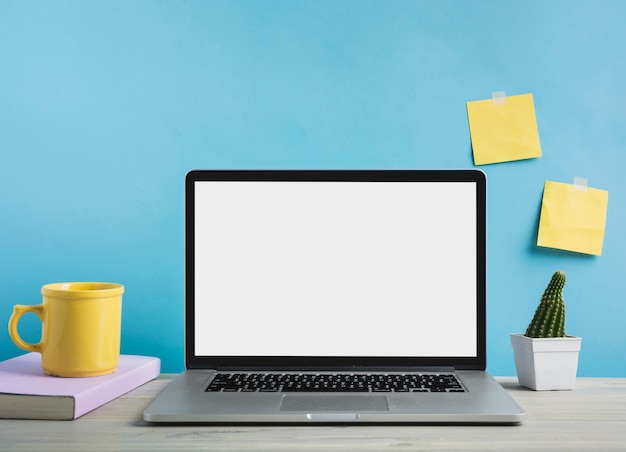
x,y
105,105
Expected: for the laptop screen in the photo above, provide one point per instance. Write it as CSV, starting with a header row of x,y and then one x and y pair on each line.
x,y
327,267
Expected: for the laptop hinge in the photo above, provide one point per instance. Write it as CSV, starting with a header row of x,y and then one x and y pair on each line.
x,y
336,369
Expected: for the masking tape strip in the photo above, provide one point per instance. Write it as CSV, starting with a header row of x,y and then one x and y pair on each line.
x,y
498,97
580,183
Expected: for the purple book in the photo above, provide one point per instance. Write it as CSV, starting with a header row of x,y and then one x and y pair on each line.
x,y
27,393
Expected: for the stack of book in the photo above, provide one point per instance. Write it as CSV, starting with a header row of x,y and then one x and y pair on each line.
x,y
27,393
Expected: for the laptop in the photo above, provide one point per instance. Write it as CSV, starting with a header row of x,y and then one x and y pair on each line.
x,y
335,296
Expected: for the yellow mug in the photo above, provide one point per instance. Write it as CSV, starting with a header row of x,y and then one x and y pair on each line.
x,y
80,328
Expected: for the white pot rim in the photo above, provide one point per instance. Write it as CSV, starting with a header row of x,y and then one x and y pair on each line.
x,y
564,338
546,344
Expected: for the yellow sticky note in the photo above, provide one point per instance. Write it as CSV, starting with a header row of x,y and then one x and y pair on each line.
x,y
573,218
504,130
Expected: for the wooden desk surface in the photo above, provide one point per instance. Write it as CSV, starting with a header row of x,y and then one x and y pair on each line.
x,y
592,417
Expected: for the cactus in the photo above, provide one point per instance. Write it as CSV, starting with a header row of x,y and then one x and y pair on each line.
x,y
549,318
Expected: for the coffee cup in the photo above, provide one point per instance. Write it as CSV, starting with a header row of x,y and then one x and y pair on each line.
x,y
81,328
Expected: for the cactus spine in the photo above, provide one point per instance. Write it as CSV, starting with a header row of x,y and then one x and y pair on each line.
x,y
549,318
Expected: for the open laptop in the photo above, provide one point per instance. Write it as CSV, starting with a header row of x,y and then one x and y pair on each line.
x,y
348,296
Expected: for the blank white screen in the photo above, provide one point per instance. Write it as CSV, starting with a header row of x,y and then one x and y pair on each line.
x,y
335,269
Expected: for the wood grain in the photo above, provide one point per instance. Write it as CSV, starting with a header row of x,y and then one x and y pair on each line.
x,y
591,417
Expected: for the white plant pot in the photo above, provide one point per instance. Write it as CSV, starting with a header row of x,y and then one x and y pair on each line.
x,y
546,364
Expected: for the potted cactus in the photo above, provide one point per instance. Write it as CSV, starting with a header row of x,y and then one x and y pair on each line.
x,y
546,358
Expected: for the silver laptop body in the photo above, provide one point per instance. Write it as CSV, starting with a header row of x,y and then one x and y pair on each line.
x,y
321,296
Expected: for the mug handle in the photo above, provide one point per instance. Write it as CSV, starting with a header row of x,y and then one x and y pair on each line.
x,y
18,311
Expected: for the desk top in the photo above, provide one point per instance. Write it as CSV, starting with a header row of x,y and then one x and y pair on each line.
x,y
591,417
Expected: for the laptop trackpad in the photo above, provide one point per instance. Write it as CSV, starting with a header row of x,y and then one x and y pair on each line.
x,y
317,403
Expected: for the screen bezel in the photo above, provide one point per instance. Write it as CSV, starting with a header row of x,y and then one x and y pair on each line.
x,y
193,361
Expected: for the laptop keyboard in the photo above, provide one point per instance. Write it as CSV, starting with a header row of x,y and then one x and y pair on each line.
x,y
301,382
